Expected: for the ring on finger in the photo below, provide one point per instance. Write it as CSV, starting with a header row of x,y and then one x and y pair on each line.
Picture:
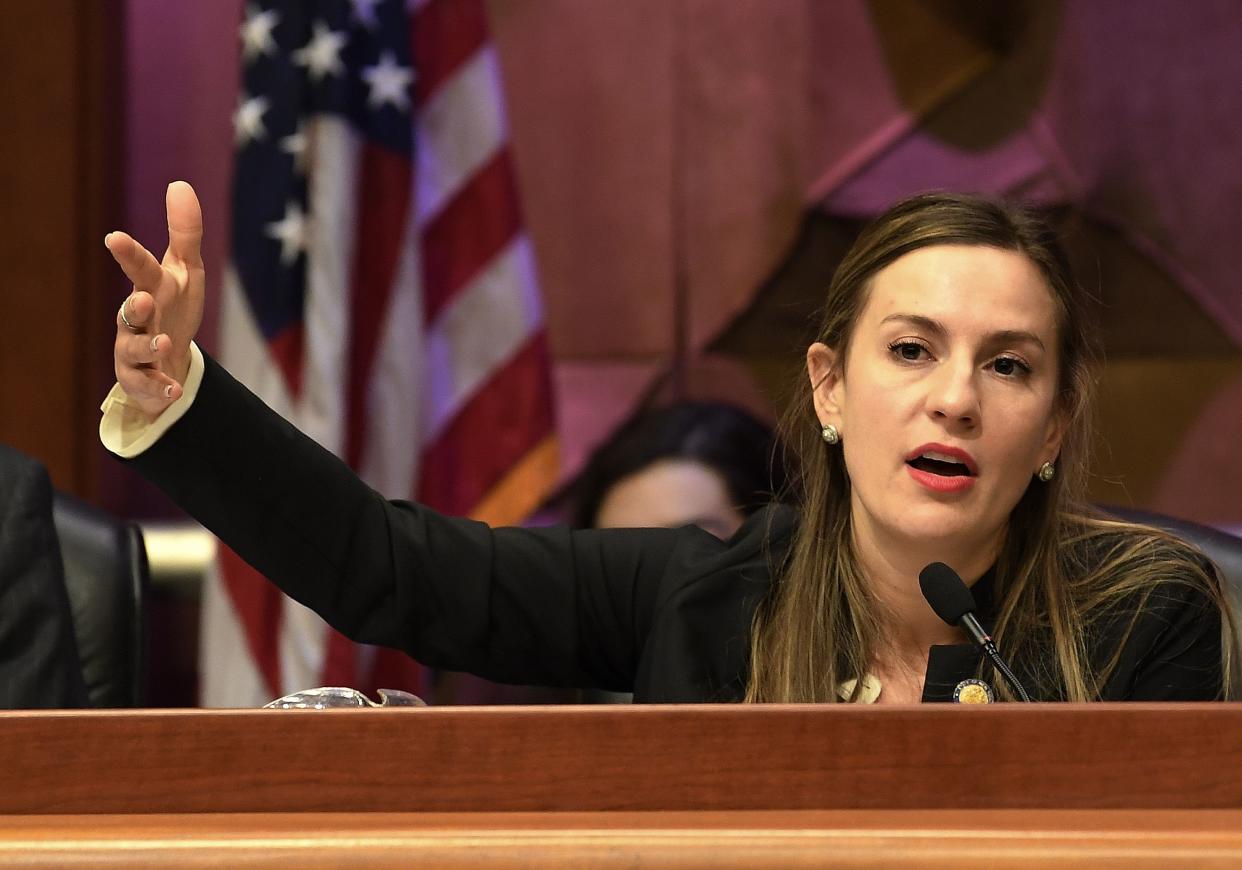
x,y
125,320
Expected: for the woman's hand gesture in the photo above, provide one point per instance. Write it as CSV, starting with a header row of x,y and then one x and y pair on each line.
x,y
156,323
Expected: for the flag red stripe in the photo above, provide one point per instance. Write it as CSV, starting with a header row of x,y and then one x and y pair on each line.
x,y
446,34
384,181
286,350
393,669
257,604
509,415
473,228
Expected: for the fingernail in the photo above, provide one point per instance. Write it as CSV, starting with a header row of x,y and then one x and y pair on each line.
x,y
155,346
168,392
108,241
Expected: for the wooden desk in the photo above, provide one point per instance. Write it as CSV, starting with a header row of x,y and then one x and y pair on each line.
x,y
1010,785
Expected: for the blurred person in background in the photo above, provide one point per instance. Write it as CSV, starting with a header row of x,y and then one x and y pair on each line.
x,y
693,463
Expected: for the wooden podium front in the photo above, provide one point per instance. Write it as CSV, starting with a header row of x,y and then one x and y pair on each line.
x,y
684,786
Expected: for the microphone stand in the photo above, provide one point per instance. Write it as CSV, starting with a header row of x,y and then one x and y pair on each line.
x,y
984,641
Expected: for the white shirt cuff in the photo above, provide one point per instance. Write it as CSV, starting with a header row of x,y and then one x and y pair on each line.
x,y
125,429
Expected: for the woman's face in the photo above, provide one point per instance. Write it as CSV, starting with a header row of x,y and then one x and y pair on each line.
x,y
946,404
668,494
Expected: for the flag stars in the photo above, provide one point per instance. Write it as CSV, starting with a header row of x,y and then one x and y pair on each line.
x,y
389,83
295,146
290,231
248,119
256,33
322,55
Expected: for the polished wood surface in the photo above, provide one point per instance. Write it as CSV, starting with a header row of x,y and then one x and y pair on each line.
x,y
685,758
799,838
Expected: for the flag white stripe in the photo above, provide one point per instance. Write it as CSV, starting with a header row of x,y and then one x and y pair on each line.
x,y
301,646
227,675
243,350
332,204
458,131
484,325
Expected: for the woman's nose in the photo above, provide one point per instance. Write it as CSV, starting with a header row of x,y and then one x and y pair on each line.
x,y
953,394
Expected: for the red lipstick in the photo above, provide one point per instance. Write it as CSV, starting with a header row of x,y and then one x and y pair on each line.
x,y
942,468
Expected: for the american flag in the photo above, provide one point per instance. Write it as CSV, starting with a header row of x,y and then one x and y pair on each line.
x,y
381,295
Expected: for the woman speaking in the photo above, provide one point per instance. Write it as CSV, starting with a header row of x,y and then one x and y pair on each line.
x,y
943,418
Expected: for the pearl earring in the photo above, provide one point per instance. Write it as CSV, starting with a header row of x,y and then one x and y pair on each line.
x,y
830,434
1047,471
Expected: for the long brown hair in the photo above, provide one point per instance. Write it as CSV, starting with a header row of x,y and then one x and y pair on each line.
x,y
1069,570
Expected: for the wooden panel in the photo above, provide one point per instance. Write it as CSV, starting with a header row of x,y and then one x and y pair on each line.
x,y
680,839
592,132
641,758
57,182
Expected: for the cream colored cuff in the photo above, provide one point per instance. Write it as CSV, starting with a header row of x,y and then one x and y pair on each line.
x,y
125,430
870,689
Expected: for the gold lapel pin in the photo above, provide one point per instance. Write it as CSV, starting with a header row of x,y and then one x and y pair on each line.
x,y
973,691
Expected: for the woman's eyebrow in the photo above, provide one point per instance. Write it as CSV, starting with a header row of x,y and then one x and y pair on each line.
x,y
922,322
1002,336
1015,336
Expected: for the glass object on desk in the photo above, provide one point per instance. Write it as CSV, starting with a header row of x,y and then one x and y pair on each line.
x,y
328,697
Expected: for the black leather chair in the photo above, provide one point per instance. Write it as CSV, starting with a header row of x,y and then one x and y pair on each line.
x,y
106,575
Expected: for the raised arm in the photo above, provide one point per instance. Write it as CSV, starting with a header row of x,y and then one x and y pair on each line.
x,y
526,606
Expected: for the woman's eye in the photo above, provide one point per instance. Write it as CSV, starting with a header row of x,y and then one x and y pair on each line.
x,y
1009,366
907,350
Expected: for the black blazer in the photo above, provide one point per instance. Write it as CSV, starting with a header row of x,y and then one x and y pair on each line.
x,y
38,656
665,613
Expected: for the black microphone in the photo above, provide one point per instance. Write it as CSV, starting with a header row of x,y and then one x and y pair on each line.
x,y
950,598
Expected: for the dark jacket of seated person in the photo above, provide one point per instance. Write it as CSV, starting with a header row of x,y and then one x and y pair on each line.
x,y
39,664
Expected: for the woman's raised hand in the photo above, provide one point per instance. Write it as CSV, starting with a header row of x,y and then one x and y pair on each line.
x,y
156,323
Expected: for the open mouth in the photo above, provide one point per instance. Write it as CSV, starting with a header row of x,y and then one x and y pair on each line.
x,y
940,464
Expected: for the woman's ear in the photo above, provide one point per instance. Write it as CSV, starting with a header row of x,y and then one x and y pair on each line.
x,y
1051,449
827,388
